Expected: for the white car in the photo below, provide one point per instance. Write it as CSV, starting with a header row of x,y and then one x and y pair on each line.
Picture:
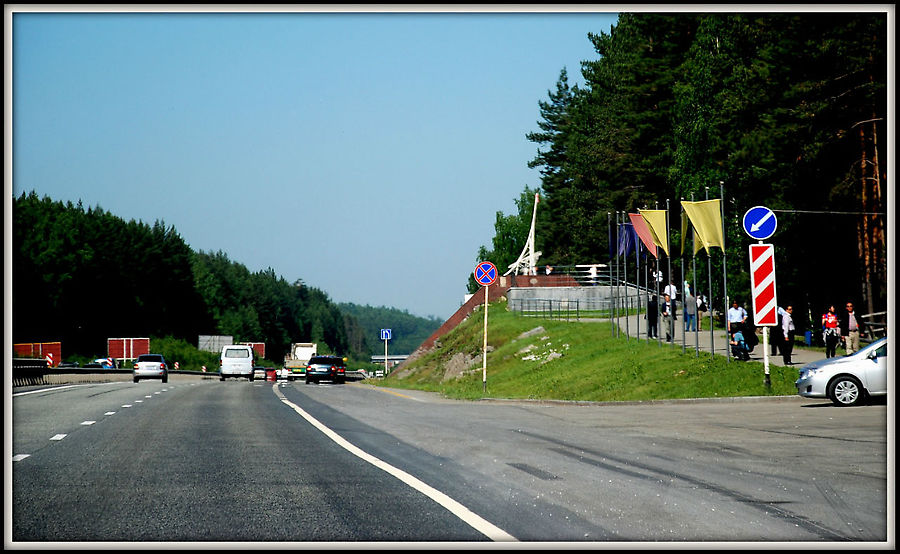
x,y
847,380
236,361
151,366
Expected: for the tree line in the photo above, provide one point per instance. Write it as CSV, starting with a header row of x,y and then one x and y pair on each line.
x,y
782,110
81,276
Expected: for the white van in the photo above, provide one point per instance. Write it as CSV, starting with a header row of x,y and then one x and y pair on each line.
x,y
236,361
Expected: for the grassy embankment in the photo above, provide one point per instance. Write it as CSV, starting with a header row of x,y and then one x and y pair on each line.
x,y
577,361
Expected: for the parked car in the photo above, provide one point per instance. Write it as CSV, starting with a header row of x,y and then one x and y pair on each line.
x,y
330,368
151,366
236,361
101,363
847,380
64,365
259,372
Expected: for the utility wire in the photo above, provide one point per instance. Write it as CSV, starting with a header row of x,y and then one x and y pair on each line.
x,y
828,212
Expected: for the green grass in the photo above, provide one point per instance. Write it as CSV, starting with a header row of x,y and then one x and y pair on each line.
x,y
578,361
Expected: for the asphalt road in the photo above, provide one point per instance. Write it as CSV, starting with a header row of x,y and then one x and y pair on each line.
x,y
198,460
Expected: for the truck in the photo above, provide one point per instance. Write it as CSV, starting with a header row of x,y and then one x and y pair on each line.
x,y
297,359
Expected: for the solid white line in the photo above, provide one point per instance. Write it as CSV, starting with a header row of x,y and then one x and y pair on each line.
x,y
20,457
54,389
474,520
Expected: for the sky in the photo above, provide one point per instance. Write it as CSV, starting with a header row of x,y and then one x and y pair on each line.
x,y
363,153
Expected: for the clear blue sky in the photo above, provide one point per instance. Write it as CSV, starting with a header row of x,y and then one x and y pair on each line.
x,y
366,154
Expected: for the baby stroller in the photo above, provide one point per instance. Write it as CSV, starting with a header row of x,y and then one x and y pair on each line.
x,y
739,348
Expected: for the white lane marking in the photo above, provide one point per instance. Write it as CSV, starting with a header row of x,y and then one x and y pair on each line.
x,y
157,392
20,457
474,520
54,389
88,422
126,405
148,396
109,413
59,437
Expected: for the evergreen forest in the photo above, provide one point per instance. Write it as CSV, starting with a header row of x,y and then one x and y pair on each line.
x,y
81,276
783,110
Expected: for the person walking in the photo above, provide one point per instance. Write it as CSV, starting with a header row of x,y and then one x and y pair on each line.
x,y
787,332
652,317
701,311
831,333
690,312
850,328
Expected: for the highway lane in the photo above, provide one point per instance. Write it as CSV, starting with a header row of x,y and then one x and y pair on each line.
x,y
211,461
205,461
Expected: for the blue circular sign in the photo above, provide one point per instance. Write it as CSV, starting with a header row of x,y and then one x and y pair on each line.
x,y
760,222
486,273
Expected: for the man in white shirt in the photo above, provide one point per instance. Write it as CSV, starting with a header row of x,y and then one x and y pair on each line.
x,y
671,290
787,330
737,316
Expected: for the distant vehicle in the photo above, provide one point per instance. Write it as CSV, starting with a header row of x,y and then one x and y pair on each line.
x,y
259,372
847,380
100,363
236,361
284,373
151,366
330,368
65,365
298,358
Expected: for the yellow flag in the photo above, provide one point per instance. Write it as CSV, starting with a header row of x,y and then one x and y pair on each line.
x,y
706,217
684,229
656,221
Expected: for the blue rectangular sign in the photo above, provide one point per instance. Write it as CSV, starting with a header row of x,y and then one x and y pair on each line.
x,y
385,334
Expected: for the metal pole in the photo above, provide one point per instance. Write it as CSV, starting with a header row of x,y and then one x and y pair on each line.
x,y
724,259
616,303
683,293
712,335
637,280
669,271
484,346
696,288
610,268
625,278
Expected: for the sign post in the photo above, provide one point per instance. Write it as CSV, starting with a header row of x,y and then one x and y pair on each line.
x,y
760,224
485,275
385,336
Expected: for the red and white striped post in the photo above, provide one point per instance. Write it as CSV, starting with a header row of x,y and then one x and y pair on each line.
x,y
762,285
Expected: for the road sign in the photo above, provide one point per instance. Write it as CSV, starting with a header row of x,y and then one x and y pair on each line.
x,y
385,334
760,222
486,273
762,284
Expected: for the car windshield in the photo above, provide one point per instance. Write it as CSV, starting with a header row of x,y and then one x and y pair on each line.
x,y
237,353
150,358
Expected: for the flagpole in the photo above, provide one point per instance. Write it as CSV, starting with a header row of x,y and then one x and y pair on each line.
x,y
647,284
683,294
618,245
724,260
669,270
696,288
611,250
637,279
625,278
712,334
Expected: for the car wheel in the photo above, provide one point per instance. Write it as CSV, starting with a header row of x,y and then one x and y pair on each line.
x,y
251,378
165,379
136,379
221,377
846,391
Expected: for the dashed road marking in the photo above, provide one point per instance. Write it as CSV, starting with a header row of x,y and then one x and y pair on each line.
x,y
20,457
126,405
88,422
109,413
58,437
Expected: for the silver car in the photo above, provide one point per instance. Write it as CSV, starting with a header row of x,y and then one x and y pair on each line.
x,y
151,366
847,380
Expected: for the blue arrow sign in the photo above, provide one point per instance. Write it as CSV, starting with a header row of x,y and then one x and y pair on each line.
x,y
485,273
760,222
385,334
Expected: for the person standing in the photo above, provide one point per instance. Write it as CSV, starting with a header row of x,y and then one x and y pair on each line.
x,y
737,316
672,290
850,328
668,317
787,332
701,311
652,317
776,335
690,312
831,333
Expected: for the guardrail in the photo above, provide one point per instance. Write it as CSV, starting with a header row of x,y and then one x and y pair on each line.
x,y
33,371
